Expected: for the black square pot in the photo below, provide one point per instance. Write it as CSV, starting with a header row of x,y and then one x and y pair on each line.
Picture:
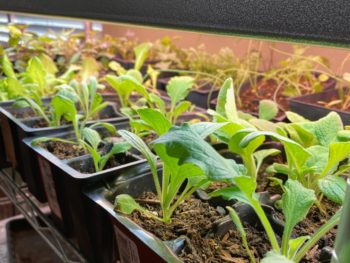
x,y
307,106
71,211
14,130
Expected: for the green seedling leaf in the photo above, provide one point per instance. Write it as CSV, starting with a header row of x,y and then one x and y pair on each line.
x,y
141,53
230,105
37,141
187,146
318,159
301,135
338,151
181,108
135,74
204,129
115,66
127,204
7,67
37,73
90,68
343,135
295,244
333,187
268,109
48,63
296,154
92,137
274,257
108,126
264,125
278,168
262,154
324,129
155,120
178,88
294,117
139,145
160,104
221,101
296,202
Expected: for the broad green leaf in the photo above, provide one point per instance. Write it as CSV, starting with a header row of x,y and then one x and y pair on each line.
x,y
338,151
333,187
127,204
268,109
274,257
141,53
230,105
48,63
155,119
294,117
7,67
221,101
186,145
15,88
181,108
324,129
278,168
92,137
343,135
115,66
178,88
37,73
296,154
136,142
301,135
63,106
264,125
204,129
249,149
160,104
247,185
124,85
135,74
318,159
296,202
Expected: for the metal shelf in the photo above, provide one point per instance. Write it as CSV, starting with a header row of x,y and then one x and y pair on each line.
x,y
24,202
323,21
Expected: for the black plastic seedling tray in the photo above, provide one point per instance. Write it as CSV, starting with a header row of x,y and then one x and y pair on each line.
x,y
307,105
14,130
133,244
63,186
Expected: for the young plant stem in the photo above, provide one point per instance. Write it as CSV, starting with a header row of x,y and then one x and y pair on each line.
x,y
249,163
266,224
319,233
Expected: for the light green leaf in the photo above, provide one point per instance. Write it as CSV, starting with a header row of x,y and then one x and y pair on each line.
x,y
296,202
92,137
108,126
324,129
7,67
338,151
318,159
141,53
204,129
262,154
235,143
333,187
90,68
155,119
36,72
221,100
295,244
230,105
127,204
294,117
189,147
181,108
268,109
48,63
178,88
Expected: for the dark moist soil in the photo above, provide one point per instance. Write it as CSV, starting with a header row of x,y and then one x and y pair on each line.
x,y
265,90
63,150
194,219
22,114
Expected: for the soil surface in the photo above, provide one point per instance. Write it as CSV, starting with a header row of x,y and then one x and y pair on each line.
x,y
266,89
63,150
194,220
